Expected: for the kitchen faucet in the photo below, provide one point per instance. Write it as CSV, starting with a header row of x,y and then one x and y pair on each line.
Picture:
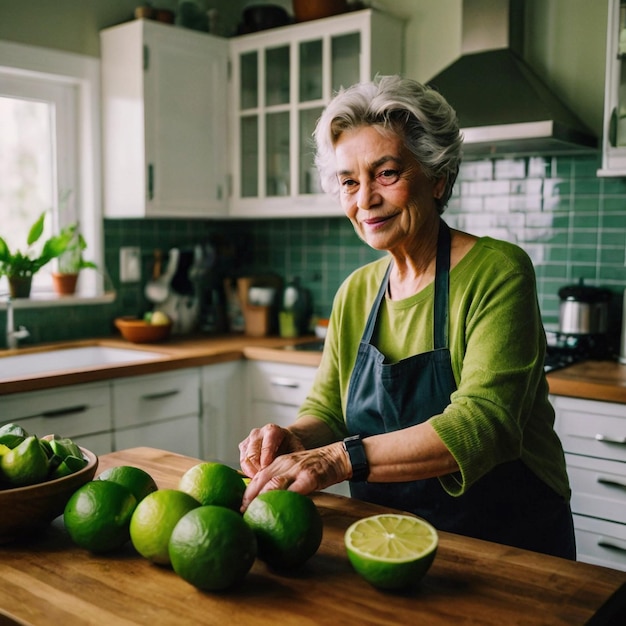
x,y
12,335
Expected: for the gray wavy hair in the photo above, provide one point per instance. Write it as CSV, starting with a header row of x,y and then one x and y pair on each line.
x,y
418,114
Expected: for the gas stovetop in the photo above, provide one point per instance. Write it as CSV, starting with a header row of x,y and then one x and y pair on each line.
x,y
564,349
558,358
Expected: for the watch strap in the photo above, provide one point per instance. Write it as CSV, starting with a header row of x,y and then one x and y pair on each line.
x,y
356,453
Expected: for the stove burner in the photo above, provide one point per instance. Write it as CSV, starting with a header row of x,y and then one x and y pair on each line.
x,y
559,358
566,349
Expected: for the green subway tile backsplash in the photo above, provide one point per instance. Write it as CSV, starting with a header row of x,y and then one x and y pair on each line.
x,y
570,222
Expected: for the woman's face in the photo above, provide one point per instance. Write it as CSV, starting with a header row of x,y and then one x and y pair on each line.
x,y
383,190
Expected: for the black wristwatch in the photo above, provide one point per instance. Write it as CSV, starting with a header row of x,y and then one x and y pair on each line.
x,y
360,467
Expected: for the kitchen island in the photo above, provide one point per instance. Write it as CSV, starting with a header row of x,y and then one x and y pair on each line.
x,y
50,581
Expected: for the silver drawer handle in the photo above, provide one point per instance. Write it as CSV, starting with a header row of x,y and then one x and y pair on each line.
x,y
606,439
613,482
160,395
284,382
610,542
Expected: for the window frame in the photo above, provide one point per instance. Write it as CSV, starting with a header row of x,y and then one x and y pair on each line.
x,y
83,73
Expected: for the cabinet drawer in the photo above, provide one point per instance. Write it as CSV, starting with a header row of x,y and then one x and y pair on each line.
x,y
280,383
68,412
273,413
600,542
596,429
153,398
181,435
598,487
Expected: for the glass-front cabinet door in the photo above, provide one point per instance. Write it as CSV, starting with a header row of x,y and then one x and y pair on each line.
x,y
282,79
614,136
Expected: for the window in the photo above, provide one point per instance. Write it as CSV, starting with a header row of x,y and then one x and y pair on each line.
x,y
49,147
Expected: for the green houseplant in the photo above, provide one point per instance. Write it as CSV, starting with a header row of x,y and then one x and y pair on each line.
x,y
71,261
20,267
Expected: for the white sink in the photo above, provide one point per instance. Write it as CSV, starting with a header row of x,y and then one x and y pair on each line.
x,y
62,360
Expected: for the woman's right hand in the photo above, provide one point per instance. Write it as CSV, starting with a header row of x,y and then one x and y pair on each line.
x,y
263,445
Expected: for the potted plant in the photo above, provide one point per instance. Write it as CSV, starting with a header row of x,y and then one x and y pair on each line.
x,y
19,267
71,261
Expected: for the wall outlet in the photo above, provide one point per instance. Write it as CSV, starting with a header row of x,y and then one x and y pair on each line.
x,y
130,265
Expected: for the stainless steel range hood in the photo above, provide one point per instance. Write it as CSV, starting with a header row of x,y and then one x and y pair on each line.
x,y
503,107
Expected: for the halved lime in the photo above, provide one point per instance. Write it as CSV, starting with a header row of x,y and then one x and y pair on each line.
x,y
391,551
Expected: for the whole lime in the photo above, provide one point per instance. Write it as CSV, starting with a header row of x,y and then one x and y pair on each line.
x,y
391,551
212,548
138,481
287,525
214,483
154,520
97,516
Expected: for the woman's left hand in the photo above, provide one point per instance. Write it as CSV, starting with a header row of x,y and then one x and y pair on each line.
x,y
304,471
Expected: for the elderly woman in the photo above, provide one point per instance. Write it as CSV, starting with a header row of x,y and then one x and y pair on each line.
x,y
431,395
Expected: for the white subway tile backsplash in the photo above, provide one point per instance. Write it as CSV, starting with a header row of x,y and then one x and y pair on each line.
x,y
510,168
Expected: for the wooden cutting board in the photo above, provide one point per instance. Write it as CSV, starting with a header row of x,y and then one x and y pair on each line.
x,y
50,581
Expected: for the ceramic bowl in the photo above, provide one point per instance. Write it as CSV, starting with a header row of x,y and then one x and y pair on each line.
x,y
26,510
140,331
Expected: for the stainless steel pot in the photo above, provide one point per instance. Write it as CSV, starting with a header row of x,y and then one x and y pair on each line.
x,y
584,310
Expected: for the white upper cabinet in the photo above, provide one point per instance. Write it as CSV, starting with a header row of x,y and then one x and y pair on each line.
x,y
164,116
614,136
281,80
178,142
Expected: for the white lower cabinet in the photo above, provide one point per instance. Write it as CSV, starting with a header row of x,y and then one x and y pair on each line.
x,y
158,410
80,412
276,391
223,419
594,438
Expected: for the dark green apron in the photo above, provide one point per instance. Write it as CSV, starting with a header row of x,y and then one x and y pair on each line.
x,y
508,505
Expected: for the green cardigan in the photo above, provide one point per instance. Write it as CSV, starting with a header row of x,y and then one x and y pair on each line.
x,y
500,411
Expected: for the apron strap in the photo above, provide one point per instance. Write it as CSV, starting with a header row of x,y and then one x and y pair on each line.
x,y
371,320
442,288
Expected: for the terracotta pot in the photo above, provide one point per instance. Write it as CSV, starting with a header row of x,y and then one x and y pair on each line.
x,y
64,284
305,10
19,286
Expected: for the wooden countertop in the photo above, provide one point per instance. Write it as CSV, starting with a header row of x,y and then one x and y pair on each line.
x,y
176,353
592,380
51,581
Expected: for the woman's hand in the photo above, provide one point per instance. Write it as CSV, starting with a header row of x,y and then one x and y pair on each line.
x,y
303,471
263,445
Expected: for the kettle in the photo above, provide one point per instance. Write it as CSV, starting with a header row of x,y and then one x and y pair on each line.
x,y
584,310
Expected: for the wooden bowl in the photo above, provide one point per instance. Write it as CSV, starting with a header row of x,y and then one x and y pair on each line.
x,y
28,509
140,331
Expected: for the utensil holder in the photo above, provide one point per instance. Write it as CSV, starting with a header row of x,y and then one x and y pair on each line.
x,y
257,320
